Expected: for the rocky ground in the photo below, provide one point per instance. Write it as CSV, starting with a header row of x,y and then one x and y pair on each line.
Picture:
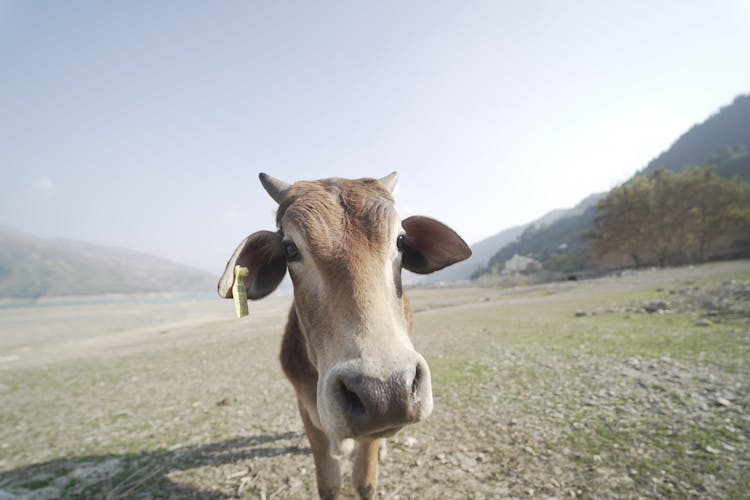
x,y
630,386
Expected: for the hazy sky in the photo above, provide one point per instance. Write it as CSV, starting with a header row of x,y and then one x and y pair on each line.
x,y
144,124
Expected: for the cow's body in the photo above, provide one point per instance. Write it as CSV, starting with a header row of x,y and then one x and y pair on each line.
x,y
346,348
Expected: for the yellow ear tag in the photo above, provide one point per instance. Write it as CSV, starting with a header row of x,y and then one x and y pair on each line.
x,y
239,293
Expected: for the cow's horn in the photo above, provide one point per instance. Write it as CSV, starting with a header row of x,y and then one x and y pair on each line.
x,y
275,187
389,181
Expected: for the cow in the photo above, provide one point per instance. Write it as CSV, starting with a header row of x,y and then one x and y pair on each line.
x,y
347,347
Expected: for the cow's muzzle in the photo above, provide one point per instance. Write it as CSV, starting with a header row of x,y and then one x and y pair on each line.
x,y
378,407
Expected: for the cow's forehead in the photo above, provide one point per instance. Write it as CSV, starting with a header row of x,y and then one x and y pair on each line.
x,y
338,215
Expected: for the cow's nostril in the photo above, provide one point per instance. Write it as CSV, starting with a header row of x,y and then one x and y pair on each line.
x,y
415,384
352,404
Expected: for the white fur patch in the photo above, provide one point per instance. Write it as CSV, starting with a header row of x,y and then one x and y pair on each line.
x,y
341,447
383,450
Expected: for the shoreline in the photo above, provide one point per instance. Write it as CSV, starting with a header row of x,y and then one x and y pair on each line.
x,y
107,298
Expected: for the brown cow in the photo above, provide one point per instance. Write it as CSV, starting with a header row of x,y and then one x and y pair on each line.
x,y
347,348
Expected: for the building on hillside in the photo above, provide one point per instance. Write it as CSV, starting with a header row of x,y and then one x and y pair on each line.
x,y
521,264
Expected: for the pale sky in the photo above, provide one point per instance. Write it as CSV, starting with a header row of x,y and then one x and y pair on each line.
x,y
144,124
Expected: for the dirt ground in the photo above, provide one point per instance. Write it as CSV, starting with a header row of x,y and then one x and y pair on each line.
x,y
629,386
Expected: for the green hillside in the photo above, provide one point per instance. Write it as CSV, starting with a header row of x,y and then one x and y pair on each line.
x,y
560,246
722,140
32,267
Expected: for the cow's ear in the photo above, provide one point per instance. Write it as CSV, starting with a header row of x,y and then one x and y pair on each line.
x,y
430,245
263,255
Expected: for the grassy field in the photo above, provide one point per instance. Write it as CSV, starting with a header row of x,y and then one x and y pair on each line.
x,y
635,386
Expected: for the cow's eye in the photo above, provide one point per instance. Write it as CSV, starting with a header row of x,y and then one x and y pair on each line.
x,y
400,242
291,252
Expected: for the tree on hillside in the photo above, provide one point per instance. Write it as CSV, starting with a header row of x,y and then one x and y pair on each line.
x,y
667,226
669,219
619,221
717,206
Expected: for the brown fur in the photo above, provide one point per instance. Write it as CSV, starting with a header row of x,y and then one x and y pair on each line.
x,y
294,357
341,220
359,214
345,225
346,347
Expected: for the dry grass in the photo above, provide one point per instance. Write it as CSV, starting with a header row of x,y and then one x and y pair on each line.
x,y
531,400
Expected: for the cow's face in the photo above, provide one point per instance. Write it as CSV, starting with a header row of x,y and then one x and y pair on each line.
x,y
345,246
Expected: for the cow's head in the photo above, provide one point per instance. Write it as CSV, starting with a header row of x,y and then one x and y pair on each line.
x,y
345,245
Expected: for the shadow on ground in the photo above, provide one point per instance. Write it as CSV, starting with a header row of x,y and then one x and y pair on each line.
x,y
146,474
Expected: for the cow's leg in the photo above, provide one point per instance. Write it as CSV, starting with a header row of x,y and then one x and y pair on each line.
x,y
365,473
327,471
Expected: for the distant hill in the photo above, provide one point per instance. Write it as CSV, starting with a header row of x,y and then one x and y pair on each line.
x,y
480,255
559,242
485,249
32,267
723,139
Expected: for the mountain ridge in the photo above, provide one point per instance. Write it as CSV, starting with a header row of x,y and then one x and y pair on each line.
x,y
722,139
32,267
484,250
